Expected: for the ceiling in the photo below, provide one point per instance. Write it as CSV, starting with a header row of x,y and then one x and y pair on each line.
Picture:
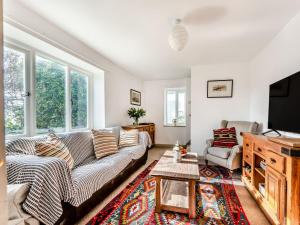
x,y
134,33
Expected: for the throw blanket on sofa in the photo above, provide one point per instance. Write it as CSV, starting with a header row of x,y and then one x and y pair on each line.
x,y
52,182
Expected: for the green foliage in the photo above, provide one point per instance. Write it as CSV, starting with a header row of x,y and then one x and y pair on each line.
x,y
79,100
136,113
50,94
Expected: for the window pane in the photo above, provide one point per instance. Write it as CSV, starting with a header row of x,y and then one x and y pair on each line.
x,y
79,99
50,95
14,88
171,107
181,108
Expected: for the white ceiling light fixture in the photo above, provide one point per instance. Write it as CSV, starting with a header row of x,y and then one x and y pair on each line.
x,y
178,37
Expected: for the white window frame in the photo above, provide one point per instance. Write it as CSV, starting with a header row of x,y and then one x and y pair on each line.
x,y
177,90
26,89
30,102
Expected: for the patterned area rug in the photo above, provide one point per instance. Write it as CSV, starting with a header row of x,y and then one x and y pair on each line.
x,y
217,202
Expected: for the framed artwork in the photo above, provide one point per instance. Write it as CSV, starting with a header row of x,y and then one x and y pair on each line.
x,y
135,97
219,88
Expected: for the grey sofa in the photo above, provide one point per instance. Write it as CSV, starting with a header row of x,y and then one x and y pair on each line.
x,y
60,195
230,158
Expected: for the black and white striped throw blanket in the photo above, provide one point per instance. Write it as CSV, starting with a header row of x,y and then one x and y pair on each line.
x,y
50,183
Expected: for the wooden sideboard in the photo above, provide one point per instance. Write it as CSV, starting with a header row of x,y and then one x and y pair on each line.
x,y
149,127
281,178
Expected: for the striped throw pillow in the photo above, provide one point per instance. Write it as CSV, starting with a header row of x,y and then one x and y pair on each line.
x,y
54,147
105,143
225,138
129,138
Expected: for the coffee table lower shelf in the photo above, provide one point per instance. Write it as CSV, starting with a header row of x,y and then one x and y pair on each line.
x,y
177,195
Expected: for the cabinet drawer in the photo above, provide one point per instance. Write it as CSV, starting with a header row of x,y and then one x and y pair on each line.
x,y
247,145
260,149
276,161
247,156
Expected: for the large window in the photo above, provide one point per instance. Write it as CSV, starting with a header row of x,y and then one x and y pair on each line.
x,y
59,98
79,99
14,62
175,107
50,84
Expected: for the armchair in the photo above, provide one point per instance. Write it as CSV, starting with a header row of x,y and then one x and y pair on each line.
x,y
230,158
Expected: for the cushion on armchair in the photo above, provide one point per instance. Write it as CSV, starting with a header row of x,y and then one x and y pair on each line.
x,y
225,137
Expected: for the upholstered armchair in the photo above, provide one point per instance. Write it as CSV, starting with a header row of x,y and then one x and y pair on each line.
x,y
230,158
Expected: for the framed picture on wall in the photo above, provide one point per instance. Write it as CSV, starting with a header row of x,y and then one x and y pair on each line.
x,y
219,88
135,97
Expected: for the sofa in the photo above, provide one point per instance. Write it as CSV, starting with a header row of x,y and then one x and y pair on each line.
x,y
230,158
58,195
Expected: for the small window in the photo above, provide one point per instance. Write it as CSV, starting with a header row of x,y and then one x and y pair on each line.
x,y
50,82
175,107
14,63
79,100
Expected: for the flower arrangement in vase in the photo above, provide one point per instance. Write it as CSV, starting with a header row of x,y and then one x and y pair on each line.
x,y
136,114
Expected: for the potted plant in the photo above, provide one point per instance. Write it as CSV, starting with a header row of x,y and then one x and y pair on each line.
x,y
136,114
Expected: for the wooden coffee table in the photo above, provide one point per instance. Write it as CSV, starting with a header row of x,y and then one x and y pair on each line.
x,y
175,183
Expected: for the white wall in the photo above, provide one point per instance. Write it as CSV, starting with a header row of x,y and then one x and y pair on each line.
x,y
279,59
117,81
154,105
207,113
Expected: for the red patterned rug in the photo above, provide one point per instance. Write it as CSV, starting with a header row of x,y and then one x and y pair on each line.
x,y
217,202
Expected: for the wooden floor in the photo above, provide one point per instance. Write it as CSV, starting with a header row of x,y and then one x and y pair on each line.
x,y
254,214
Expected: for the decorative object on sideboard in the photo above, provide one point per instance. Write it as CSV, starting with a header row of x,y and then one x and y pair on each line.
x,y
178,37
135,97
219,88
136,114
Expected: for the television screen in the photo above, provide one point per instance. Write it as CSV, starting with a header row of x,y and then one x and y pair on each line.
x,y
284,104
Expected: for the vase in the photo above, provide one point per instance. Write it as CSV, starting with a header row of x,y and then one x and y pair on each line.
x,y
136,121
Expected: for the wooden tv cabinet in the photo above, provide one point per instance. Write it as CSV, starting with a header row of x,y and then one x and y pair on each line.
x,y
281,178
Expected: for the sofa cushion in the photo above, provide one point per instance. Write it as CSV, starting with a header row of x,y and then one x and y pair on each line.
x,y
135,152
223,153
54,147
225,137
80,145
24,145
105,143
96,174
129,138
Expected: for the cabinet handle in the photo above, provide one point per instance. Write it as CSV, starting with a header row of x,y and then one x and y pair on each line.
x,y
272,160
247,145
247,156
259,149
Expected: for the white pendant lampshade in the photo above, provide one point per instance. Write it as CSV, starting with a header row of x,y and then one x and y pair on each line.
x,y
178,37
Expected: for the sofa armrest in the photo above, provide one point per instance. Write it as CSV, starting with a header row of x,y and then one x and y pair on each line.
x,y
145,139
18,165
234,160
209,143
16,195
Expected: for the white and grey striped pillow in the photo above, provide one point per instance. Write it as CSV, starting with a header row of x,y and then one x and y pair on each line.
x,y
105,143
54,147
129,138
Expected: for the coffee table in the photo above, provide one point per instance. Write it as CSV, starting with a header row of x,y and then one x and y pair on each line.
x,y
175,183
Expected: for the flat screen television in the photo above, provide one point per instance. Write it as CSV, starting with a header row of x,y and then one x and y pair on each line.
x,y
284,104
